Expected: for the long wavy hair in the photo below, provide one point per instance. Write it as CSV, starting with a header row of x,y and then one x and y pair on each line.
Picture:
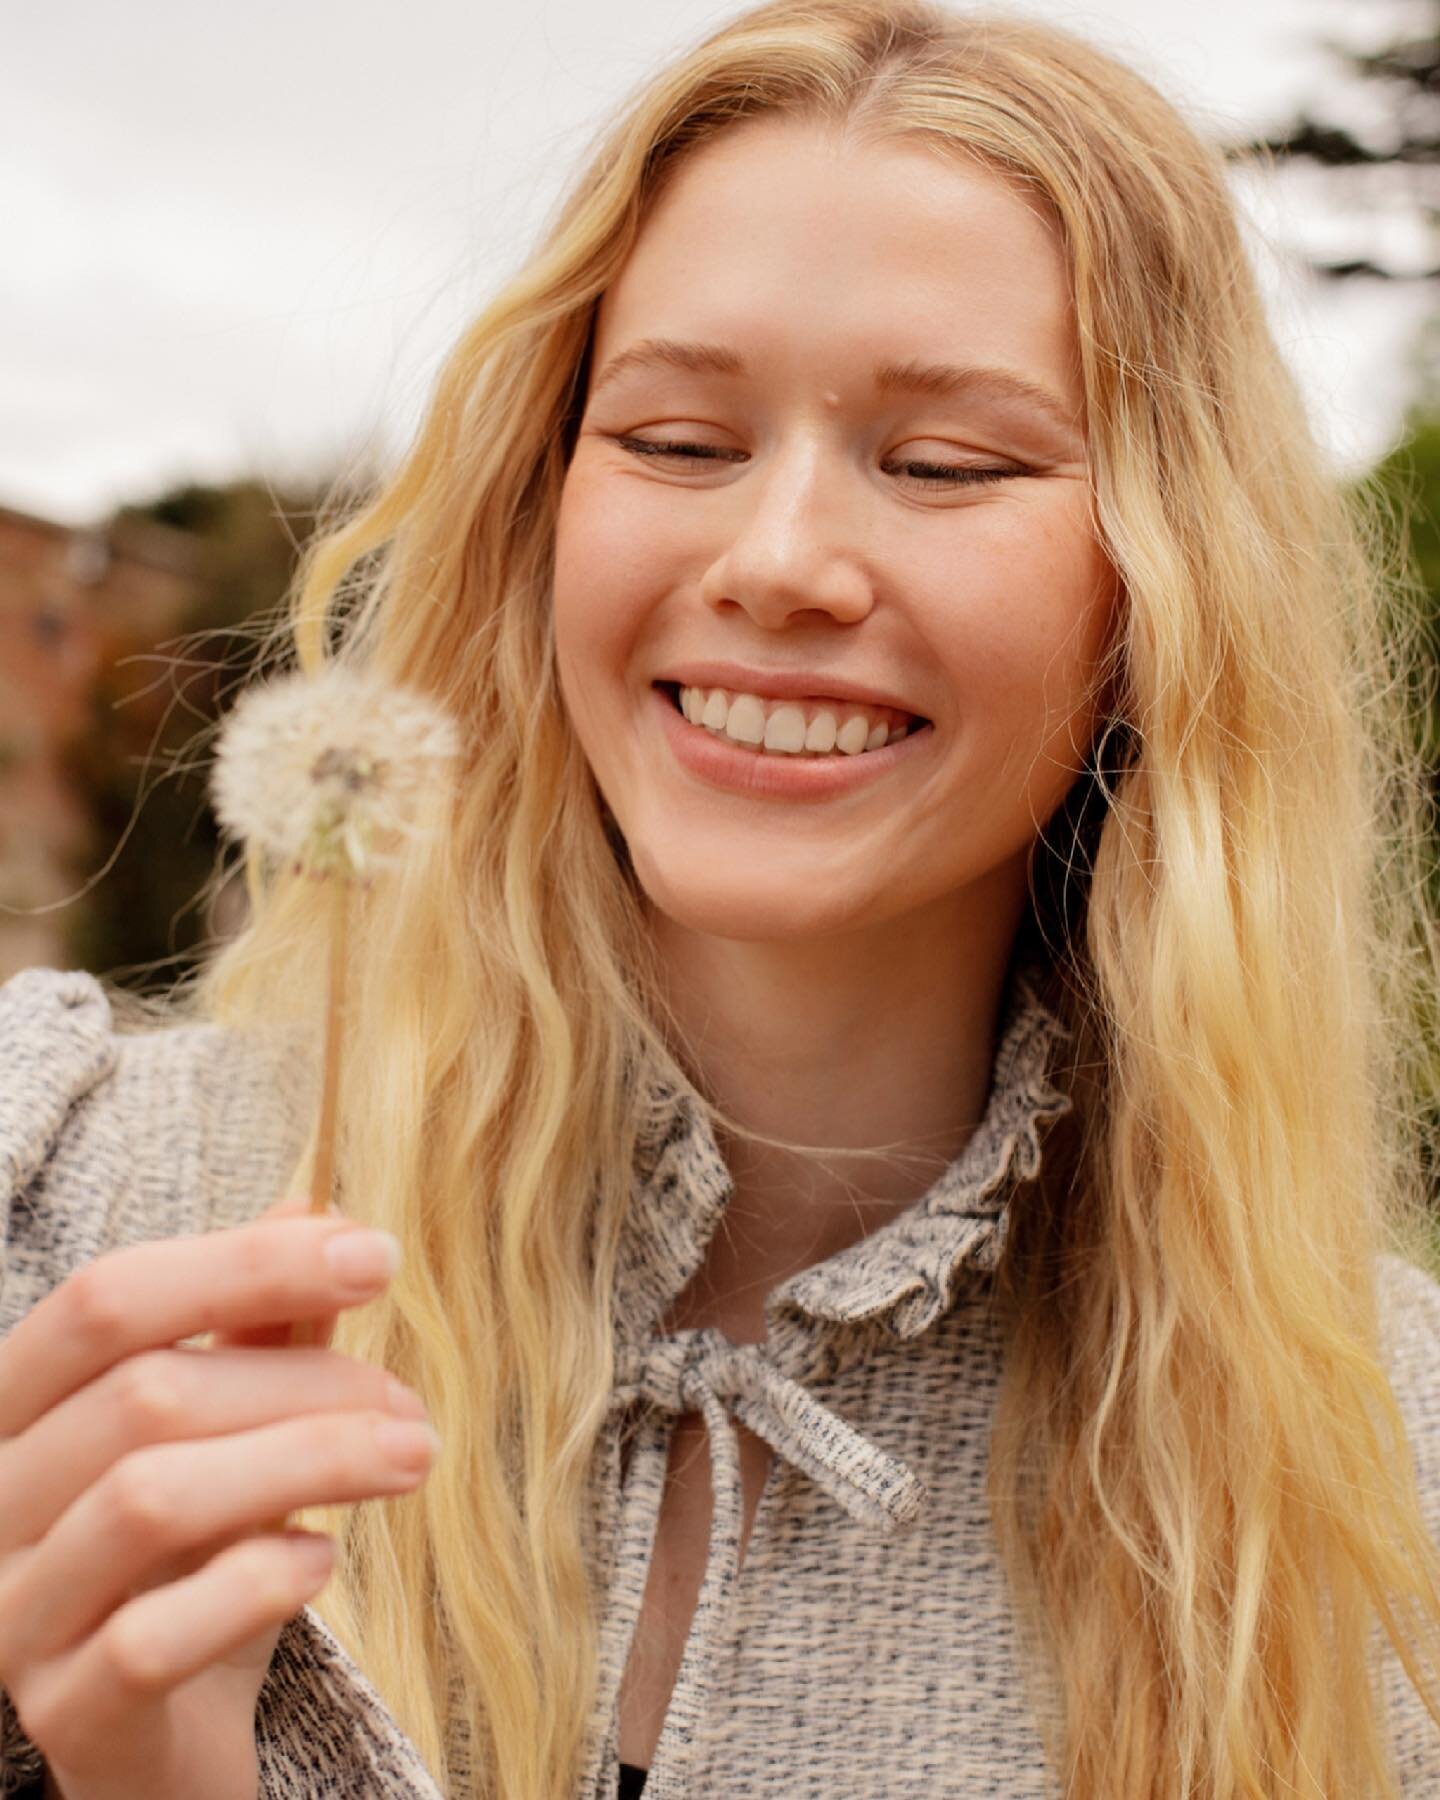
x,y
1199,1483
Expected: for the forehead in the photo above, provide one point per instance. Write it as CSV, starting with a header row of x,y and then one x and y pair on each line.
x,y
819,248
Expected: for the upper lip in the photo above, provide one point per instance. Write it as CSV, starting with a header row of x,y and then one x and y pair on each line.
x,y
784,684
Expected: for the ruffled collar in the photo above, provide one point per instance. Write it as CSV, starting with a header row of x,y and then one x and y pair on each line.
x,y
902,1276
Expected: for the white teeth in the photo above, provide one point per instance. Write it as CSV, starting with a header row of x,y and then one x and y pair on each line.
x,y
746,723
780,727
785,729
821,735
853,735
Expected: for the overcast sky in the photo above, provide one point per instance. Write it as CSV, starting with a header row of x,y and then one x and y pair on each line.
x,y
238,236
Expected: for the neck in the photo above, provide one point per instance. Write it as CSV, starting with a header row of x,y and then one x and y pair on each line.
x,y
880,1040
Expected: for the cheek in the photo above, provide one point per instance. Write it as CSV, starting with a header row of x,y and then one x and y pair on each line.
x,y
1028,622
1040,595
610,568
1062,705
606,534
593,579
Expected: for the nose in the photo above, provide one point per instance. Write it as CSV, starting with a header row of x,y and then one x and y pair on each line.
x,y
792,544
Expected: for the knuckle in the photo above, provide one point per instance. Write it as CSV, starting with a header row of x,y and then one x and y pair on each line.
x,y
132,1658
94,1304
251,1253
255,1261
149,1397
139,1500
252,1273
271,1589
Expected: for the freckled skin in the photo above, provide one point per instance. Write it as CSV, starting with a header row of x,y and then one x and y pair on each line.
x,y
984,607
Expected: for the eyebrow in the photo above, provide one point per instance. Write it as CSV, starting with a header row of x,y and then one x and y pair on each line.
x,y
941,381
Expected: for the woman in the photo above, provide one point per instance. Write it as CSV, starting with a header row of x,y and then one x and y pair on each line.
x,y
908,1028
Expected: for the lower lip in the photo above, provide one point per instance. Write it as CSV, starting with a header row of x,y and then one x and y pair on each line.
x,y
772,775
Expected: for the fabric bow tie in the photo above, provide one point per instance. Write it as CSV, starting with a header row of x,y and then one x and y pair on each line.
x,y
702,1371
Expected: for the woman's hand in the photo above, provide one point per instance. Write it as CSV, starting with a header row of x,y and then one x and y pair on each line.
x,y
142,1586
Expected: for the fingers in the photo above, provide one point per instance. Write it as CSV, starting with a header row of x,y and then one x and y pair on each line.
x,y
312,1331
149,1295
162,1396
169,1498
319,1332
169,1634
294,1205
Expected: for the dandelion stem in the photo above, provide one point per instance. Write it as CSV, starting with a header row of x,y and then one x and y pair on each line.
x,y
322,1173
322,1179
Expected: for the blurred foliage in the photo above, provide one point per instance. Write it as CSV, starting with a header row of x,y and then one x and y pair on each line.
x,y
1376,140
1407,481
142,766
1392,151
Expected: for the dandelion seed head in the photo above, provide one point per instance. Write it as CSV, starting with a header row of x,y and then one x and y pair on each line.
x,y
330,771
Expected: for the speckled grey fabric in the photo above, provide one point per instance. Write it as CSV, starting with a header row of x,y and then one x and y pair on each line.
x,y
866,1648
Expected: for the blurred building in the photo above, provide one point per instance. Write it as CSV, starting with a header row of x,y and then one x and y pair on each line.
x,y
73,603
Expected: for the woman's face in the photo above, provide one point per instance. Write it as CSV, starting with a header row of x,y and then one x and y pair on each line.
x,y
831,468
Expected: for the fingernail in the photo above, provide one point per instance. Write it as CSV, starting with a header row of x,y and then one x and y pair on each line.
x,y
404,1400
361,1260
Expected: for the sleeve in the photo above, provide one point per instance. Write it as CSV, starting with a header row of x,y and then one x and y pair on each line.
x,y
111,1138
322,1731
55,1045
1409,1303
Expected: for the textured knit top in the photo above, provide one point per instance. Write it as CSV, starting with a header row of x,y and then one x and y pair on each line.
x,y
867,1646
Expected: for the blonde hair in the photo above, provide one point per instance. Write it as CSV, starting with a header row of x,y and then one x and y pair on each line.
x,y
1198,1482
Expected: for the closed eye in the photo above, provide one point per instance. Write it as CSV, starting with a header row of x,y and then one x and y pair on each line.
x,y
696,452
928,474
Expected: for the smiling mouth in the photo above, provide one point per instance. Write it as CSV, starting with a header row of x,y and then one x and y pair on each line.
x,y
806,730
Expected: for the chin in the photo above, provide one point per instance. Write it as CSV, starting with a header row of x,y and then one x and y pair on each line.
x,y
748,910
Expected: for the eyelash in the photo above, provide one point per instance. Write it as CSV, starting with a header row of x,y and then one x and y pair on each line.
x,y
953,476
